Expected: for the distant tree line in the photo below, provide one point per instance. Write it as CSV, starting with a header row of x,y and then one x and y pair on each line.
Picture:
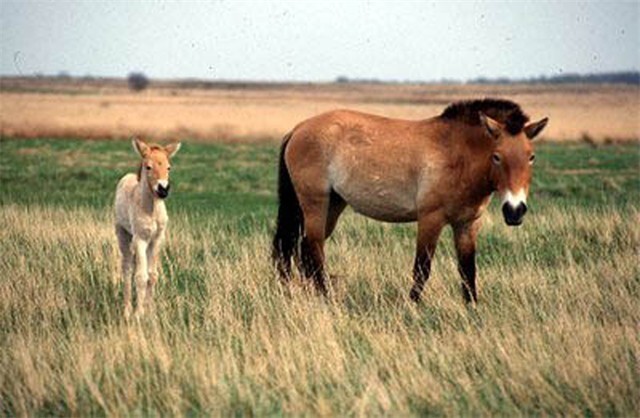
x,y
623,77
138,81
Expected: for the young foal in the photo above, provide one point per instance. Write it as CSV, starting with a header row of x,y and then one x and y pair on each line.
x,y
141,220
437,171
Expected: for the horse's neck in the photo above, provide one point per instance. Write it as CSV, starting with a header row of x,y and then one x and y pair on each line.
x,y
477,172
148,202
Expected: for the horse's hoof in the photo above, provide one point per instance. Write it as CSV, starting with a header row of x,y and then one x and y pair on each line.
x,y
414,295
470,297
323,291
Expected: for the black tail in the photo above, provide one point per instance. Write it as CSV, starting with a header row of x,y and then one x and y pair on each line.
x,y
290,219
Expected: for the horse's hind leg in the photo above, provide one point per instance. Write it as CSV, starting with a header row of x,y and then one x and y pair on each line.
x,y
307,164
336,207
312,246
124,244
312,258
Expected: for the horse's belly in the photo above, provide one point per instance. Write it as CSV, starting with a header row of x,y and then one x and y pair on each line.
x,y
380,201
376,182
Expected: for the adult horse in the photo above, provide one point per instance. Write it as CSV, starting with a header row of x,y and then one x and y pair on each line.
x,y
437,171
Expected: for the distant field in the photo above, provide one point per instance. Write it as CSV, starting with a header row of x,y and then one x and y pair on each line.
x,y
555,332
250,112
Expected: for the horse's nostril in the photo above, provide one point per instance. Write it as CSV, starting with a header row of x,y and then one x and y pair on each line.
x,y
522,209
162,191
513,215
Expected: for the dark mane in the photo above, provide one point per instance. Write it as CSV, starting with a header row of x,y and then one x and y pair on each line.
x,y
504,111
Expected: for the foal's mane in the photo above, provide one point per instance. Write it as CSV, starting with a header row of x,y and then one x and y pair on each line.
x,y
504,111
152,147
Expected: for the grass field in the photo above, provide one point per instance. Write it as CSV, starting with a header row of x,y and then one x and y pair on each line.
x,y
555,332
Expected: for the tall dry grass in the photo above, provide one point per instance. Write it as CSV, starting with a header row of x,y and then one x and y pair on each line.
x,y
556,331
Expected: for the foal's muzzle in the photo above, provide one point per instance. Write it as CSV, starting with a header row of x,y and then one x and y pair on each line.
x,y
162,191
513,215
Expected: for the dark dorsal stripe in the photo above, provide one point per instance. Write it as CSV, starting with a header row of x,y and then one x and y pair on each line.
x,y
504,111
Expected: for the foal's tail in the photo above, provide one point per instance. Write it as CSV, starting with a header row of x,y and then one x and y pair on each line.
x,y
290,219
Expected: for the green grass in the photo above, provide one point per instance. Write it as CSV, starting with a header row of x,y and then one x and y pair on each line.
x,y
555,332
229,180
239,180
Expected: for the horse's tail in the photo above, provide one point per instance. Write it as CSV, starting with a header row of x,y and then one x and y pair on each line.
x,y
290,218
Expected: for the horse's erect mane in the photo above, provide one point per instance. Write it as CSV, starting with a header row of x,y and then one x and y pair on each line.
x,y
504,111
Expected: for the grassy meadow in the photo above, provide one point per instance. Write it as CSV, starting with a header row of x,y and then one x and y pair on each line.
x,y
556,331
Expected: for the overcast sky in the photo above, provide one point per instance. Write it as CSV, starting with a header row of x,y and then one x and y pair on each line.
x,y
318,41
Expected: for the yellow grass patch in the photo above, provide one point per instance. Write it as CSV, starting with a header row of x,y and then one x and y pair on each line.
x,y
588,112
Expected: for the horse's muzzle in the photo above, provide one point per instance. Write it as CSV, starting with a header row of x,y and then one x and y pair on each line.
x,y
163,192
513,215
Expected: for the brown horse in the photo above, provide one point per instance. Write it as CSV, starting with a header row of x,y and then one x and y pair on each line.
x,y
437,171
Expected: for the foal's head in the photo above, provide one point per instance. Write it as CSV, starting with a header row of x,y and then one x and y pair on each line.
x,y
155,165
511,164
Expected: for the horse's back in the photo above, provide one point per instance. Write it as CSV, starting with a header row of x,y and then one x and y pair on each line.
x,y
342,124
376,164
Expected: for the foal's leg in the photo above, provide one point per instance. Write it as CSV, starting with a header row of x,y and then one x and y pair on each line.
x,y
429,228
153,256
141,274
124,244
465,241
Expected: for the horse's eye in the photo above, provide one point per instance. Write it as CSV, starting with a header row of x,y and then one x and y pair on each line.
x,y
533,157
168,168
148,167
496,159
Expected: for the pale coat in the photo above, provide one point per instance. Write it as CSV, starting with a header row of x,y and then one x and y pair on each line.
x,y
141,221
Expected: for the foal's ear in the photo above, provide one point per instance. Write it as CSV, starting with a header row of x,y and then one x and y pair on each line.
x,y
172,149
140,147
492,126
534,128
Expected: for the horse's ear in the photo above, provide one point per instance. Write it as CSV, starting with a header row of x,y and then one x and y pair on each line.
x,y
172,149
140,147
492,126
534,128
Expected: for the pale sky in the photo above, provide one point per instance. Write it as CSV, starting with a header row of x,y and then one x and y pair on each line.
x,y
318,40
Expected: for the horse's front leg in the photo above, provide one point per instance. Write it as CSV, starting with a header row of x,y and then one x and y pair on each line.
x,y
141,273
465,242
429,228
153,257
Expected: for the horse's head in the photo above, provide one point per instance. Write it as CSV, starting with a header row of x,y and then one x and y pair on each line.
x,y
155,165
511,165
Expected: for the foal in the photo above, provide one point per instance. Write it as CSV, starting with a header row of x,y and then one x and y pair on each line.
x,y
141,220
